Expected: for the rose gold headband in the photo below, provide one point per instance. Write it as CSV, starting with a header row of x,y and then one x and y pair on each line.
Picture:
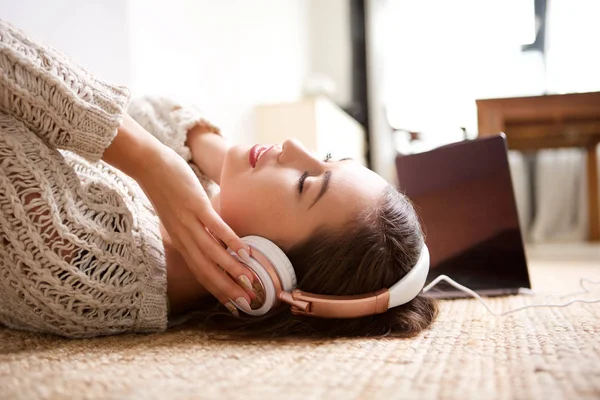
x,y
324,306
316,305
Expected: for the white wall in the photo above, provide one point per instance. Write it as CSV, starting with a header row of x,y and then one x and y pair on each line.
x,y
330,45
224,55
573,35
94,32
382,149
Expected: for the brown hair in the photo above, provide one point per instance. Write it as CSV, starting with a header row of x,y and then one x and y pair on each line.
x,y
372,253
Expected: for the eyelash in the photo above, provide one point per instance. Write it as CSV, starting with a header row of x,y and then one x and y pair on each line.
x,y
301,181
305,174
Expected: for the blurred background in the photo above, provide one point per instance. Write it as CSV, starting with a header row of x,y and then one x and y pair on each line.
x,y
370,79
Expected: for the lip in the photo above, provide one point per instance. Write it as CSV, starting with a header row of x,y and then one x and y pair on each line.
x,y
257,151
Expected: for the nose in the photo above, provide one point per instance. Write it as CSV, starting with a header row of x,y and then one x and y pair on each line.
x,y
294,153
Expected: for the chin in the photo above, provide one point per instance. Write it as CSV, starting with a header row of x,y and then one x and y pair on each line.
x,y
235,163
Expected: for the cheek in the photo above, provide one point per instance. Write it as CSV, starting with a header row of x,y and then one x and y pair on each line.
x,y
252,206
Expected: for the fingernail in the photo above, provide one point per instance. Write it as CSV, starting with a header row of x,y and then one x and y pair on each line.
x,y
243,303
245,282
232,309
244,255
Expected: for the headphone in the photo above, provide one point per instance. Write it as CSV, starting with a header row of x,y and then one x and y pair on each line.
x,y
276,274
273,269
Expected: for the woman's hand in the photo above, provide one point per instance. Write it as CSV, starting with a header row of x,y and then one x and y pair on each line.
x,y
208,150
186,212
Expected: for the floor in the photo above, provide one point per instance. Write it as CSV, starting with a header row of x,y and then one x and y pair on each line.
x,y
551,266
540,353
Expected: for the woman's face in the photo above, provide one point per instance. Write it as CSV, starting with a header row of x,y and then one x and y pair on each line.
x,y
289,193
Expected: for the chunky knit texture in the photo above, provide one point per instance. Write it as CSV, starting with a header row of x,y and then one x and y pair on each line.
x,y
80,248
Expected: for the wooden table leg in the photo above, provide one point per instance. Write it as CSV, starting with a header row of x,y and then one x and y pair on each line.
x,y
593,202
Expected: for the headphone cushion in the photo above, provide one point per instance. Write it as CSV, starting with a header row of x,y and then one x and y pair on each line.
x,y
277,257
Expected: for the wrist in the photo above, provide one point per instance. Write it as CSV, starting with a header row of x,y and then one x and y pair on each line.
x,y
133,149
208,150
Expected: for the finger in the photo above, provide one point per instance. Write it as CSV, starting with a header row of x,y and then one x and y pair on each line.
x,y
237,302
228,303
222,231
251,292
209,275
218,255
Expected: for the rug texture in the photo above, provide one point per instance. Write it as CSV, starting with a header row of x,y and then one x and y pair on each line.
x,y
467,354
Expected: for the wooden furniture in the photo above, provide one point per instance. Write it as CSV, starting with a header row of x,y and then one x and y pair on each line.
x,y
540,122
317,122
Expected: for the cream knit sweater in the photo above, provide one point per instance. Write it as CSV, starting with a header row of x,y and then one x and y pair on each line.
x,y
80,248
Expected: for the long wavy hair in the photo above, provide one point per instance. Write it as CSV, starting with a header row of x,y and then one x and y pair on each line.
x,y
372,252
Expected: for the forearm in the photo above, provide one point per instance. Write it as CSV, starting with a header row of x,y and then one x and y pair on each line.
x,y
208,151
185,130
133,149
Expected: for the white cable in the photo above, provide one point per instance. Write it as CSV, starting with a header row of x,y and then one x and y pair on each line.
x,y
585,290
478,297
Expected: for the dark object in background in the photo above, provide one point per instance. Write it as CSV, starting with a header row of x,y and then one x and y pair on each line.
x,y
359,106
464,196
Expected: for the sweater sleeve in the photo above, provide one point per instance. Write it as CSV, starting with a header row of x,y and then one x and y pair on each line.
x,y
168,121
61,102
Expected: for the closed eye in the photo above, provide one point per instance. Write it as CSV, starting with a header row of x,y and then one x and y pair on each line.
x,y
301,181
328,158
305,174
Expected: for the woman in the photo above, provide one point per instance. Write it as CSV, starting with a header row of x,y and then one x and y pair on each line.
x,y
85,253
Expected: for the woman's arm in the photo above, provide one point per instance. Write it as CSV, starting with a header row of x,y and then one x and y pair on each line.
x,y
133,150
208,151
70,109
55,98
185,212
183,129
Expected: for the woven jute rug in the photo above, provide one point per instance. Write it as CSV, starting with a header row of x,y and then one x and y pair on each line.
x,y
467,354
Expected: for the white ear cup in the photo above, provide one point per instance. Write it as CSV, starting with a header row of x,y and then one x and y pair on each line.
x,y
267,283
277,257
283,268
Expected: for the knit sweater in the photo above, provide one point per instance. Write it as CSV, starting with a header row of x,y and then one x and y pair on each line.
x,y
80,248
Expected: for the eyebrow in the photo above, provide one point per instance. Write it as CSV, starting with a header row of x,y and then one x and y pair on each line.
x,y
324,186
